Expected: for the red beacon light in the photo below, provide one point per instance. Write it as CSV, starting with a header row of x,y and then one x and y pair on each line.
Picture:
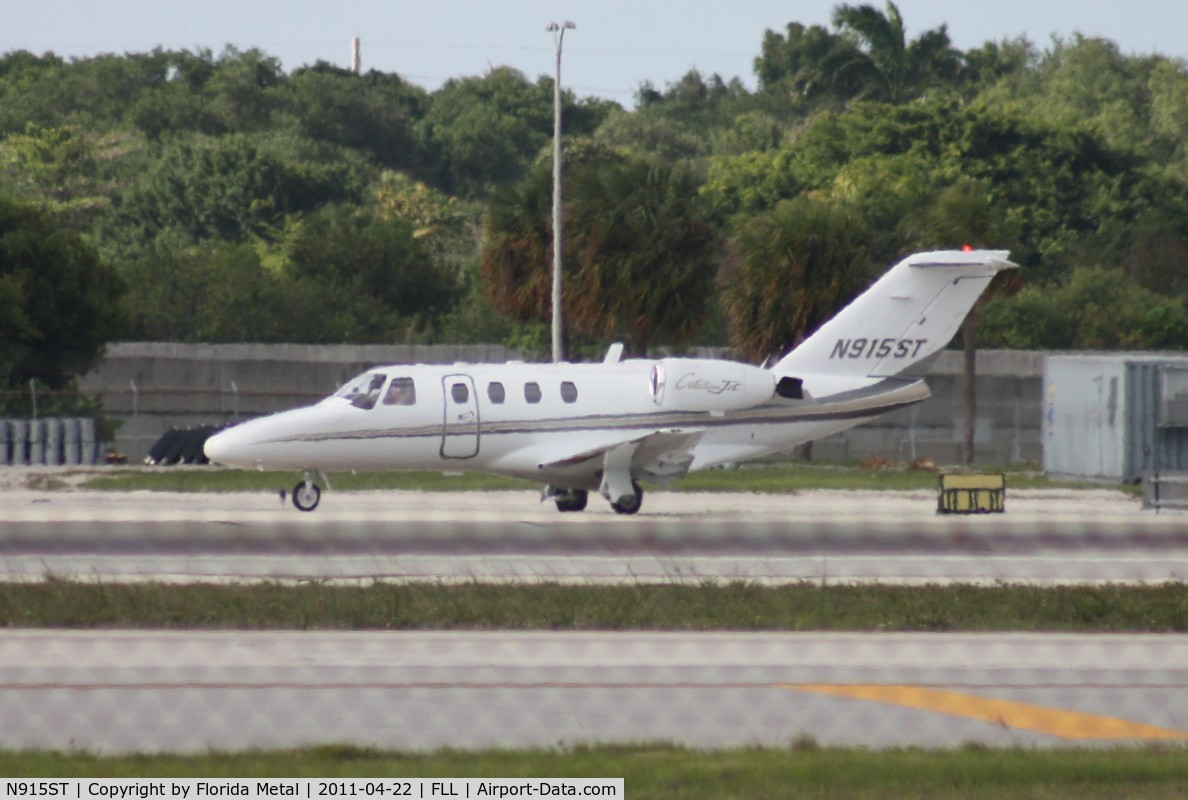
x,y
966,248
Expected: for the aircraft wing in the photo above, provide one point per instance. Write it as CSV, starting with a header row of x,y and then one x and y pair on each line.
x,y
660,455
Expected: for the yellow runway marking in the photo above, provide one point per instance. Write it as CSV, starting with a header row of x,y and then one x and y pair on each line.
x,y
1011,714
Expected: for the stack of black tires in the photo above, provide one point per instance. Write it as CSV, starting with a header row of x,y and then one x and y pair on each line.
x,y
181,446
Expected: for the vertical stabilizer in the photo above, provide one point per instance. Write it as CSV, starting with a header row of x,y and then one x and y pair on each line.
x,y
899,325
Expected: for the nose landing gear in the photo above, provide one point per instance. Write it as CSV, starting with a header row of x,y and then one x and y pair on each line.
x,y
306,494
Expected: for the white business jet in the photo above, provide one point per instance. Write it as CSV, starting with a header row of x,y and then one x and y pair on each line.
x,y
605,427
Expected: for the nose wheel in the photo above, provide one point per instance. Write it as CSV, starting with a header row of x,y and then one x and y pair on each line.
x,y
306,495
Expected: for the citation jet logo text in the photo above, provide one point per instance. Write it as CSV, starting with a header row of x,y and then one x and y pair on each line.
x,y
877,348
690,380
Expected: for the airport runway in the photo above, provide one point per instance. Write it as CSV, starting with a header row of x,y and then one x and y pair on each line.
x,y
121,691
128,691
1044,537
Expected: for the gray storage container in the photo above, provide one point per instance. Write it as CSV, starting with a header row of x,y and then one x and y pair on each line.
x,y
1114,416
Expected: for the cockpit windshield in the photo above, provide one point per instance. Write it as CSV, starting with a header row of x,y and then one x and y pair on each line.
x,y
364,391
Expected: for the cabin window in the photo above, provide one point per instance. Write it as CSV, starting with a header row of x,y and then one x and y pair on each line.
x,y
532,392
495,392
460,392
568,392
401,392
365,392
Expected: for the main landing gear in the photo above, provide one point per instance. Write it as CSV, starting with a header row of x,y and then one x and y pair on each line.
x,y
629,503
567,500
618,487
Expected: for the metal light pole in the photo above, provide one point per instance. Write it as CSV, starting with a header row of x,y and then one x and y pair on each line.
x,y
558,32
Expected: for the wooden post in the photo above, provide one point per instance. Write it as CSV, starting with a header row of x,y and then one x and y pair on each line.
x,y
969,383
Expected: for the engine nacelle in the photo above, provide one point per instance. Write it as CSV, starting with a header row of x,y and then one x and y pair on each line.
x,y
688,384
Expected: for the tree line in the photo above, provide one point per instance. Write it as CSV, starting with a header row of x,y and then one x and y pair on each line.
x,y
193,196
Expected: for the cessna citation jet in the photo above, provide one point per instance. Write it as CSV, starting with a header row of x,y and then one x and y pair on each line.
x,y
605,427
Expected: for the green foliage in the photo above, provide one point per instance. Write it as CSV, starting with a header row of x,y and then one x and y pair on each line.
x,y
342,276
172,162
750,131
375,113
704,606
790,269
1088,84
646,253
1098,309
797,61
376,266
692,118
693,100
960,215
1057,191
72,172
996,62
230,187
887,66
484,132
37,400
217,294
518,246
640,251
651,133
868,57
58,300
660,771
762,478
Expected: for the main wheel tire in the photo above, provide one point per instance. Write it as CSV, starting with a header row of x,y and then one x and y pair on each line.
x,y
630,507
306,496
573,500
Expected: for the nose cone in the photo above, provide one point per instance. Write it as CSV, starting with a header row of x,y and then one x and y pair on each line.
x,y
288,440
227,447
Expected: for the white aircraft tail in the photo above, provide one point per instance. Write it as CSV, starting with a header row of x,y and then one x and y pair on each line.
x,y
898,326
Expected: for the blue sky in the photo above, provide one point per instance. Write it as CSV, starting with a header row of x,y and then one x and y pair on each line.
x,y
617,44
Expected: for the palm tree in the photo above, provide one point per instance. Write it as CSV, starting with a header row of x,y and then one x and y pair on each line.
x,y
640,251
645,250
889,67
518,238
789,270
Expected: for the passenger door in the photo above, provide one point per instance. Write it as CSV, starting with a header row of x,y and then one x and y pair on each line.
x,y
460,422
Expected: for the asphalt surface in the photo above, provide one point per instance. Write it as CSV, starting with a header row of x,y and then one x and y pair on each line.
x,y
1044,537
128,691
112,692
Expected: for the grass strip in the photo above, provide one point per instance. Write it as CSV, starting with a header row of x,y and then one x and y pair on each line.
x,y
802,770
552,606
766,478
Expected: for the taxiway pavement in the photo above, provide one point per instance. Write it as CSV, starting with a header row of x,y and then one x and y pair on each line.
x,y
131,691
123,691
823,536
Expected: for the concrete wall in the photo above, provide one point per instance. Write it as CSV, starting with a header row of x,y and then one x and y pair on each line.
x,y
152,387
1007,426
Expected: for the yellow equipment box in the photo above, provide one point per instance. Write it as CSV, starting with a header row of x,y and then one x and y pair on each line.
x,y
971,494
